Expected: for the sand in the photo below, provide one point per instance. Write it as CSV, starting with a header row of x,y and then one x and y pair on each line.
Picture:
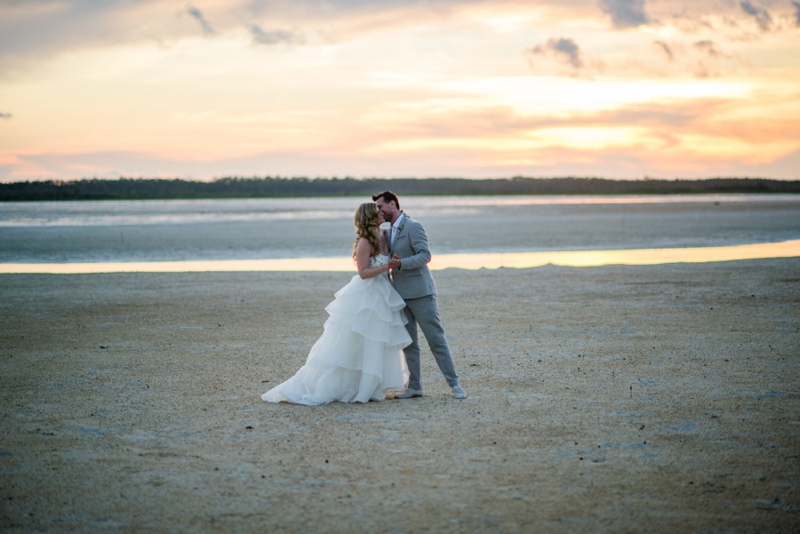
x,y
660,399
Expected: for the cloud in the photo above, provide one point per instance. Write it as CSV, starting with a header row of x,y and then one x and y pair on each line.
x,y
761,15
711,61
5,115
625,13
668,137
196,13
677,57
796,13
563,48
273,36
504,122
32,33
665,48
568,48
707,47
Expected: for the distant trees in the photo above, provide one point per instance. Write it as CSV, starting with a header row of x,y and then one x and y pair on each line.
x,y
236,187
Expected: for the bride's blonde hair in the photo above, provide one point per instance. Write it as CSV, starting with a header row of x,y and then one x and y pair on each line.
x,y
366,221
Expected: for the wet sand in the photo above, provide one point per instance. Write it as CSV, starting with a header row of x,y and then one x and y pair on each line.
x,y
621,398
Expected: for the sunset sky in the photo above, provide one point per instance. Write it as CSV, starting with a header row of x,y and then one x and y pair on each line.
x,y
203,89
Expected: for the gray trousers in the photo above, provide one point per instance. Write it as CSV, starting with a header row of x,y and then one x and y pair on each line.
x,y
425,312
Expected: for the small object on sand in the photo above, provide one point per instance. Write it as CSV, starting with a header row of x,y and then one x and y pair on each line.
x,y
103,346
248,427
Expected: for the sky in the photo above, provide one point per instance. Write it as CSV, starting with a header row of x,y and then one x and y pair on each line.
x,y
392,88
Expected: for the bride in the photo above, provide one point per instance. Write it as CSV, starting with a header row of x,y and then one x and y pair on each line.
x,y
357,358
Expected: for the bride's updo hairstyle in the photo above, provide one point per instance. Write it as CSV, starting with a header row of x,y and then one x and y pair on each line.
x,y
366,221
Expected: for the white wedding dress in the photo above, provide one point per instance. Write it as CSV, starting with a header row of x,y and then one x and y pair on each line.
x,y
357,358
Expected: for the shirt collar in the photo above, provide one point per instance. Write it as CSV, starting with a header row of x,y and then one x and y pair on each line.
x,y
399,221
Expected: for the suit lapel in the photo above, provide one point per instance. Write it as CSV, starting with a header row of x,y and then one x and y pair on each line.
x,y
400,231
387,238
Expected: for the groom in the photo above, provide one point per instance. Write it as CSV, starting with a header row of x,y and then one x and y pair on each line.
x,y
412,279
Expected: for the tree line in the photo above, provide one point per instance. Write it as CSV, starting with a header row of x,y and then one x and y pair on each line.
x,y
239,187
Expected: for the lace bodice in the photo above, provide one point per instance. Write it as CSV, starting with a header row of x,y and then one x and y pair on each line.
x,y
378,260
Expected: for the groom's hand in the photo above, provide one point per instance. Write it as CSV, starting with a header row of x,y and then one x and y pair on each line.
x,y
394,263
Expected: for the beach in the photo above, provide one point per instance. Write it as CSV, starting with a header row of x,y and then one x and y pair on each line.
x,y
654,398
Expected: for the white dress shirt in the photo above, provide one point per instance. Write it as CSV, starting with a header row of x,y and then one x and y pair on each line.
x,y
396,226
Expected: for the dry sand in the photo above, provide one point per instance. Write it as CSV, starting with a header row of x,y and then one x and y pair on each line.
x,y
661,399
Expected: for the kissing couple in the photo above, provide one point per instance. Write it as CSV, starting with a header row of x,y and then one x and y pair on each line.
x,y
370,345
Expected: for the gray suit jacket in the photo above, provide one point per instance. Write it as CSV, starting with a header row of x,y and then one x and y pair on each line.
x,y
413,280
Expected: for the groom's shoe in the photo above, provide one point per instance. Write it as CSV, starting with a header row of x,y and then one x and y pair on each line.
x,y
409,394
459,392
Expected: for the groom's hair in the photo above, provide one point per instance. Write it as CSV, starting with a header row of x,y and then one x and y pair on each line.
x,y
387,196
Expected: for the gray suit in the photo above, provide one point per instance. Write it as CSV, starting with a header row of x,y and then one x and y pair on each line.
x,y
413,281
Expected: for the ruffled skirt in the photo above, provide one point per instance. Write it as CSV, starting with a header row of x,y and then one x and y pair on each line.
x,y
358,357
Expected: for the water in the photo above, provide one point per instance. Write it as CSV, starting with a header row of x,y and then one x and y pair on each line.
x,y
217,211
469,231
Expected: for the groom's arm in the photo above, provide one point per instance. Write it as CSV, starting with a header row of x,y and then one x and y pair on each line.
x,y
419,245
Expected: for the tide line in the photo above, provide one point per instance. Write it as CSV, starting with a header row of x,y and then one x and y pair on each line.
x,y
511,260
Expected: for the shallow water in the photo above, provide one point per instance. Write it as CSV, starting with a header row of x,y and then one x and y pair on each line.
x,y
242,230
160,212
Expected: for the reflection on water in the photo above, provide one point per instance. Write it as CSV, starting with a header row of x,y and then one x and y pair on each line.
x,y
517,260
596,258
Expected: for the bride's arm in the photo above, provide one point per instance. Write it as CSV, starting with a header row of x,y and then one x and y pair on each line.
x,y
363,252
